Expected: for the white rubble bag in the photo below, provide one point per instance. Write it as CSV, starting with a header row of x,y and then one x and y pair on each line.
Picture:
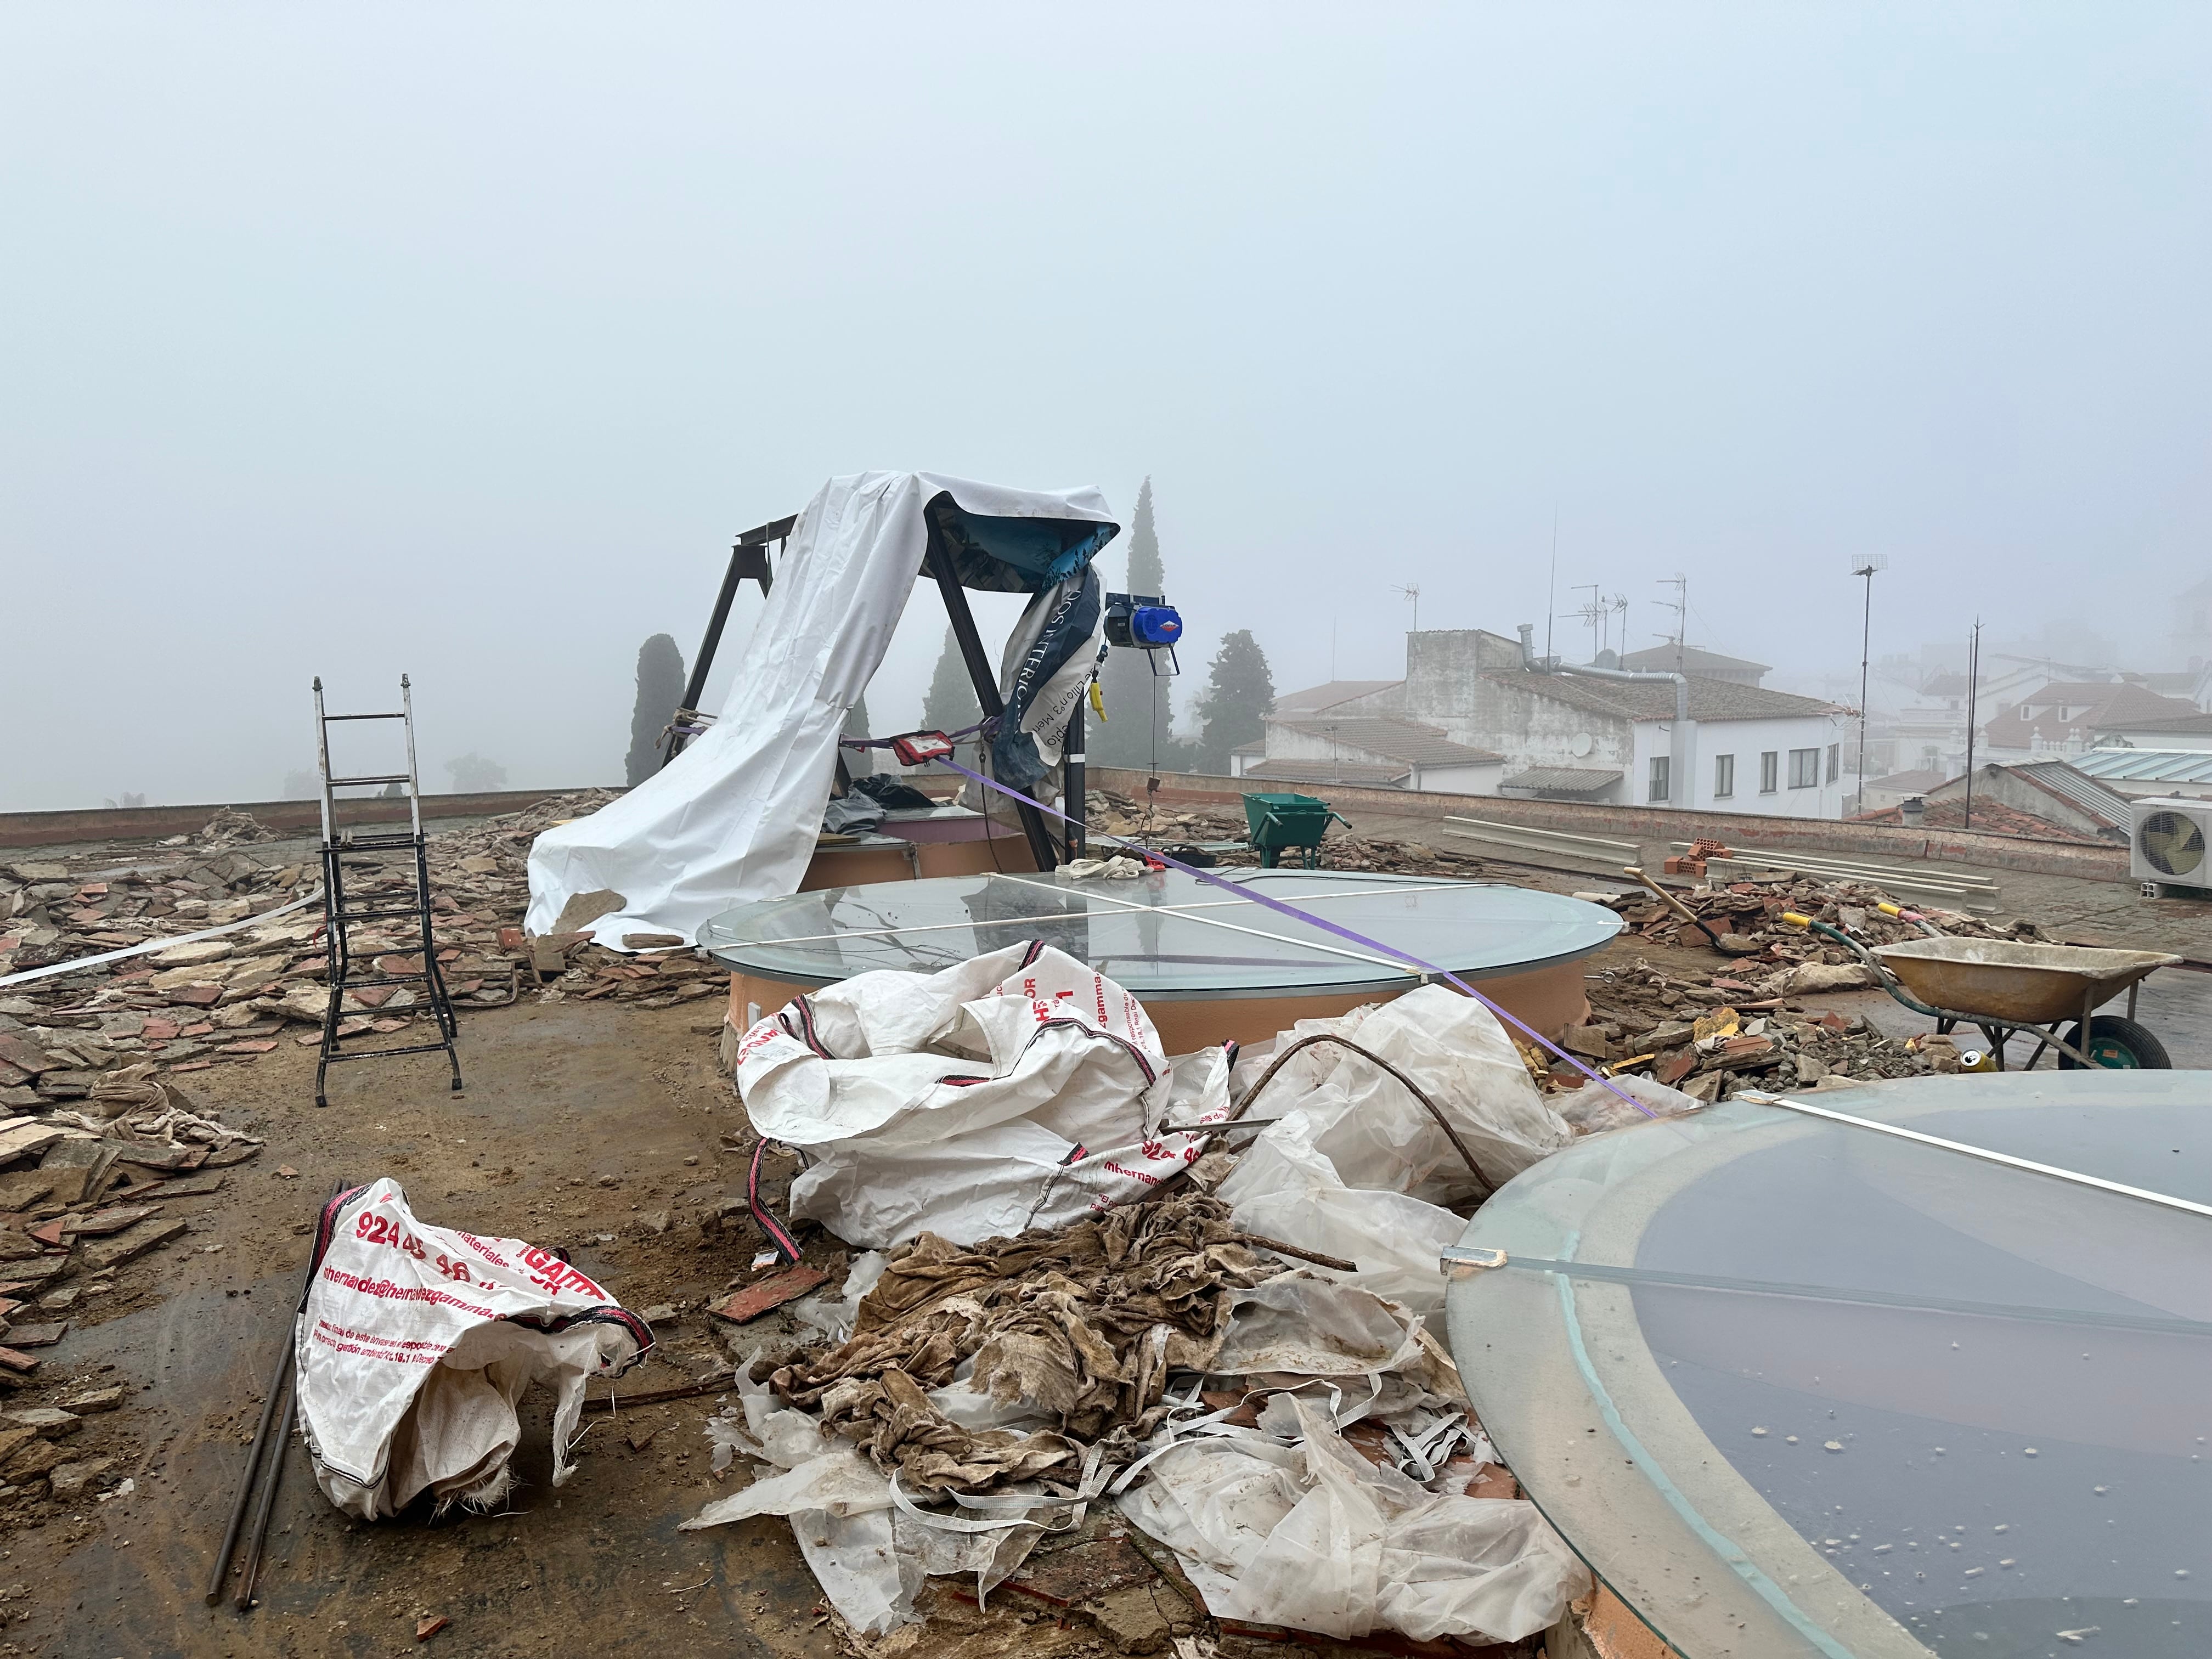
x,y
1356,1167
734,816
417,1343
1015,1090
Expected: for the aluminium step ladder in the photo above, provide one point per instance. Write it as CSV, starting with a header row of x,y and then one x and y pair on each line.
x,y
398,889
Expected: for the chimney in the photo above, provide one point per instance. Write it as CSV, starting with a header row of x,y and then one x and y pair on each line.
x,y
1913,810
1528,632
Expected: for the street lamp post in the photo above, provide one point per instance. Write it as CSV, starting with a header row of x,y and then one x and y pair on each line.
x,y
1865,568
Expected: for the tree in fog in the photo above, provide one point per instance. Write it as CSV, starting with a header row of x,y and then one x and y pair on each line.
x,y
475,775
659,694
856,726
301,785
951,702
1233,709
1135,731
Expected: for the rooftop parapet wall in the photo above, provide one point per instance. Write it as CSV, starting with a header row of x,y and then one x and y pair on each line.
x,y
1890,842
287,816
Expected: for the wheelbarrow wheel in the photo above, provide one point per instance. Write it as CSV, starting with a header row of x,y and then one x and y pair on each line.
x,y
2120,1043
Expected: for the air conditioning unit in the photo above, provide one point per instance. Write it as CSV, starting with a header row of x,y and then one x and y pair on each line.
x,y
2167,844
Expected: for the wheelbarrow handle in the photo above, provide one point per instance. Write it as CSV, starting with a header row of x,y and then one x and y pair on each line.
x,y
1889,980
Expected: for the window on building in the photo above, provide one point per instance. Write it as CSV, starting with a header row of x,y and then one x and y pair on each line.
x,y
1769,772
1724,776
1804,769
1835,762
1660,766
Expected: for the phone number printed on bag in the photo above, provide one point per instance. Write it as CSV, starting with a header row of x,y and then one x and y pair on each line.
x,y
378,1230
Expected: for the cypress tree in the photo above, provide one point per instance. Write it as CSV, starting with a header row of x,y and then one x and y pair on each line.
x,y
1136,729
1233,708
659,694
951,702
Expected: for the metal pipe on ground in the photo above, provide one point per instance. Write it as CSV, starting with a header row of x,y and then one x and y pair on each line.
x,y
280,1377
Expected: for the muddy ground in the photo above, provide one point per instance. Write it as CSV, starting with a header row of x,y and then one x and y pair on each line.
x,y
578,1122
594,1126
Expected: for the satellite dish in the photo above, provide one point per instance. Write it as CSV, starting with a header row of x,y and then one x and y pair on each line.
x,y
1581,744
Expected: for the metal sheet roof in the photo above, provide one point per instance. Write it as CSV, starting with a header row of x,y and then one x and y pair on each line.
x,y
2105,805
2145,765
1562,780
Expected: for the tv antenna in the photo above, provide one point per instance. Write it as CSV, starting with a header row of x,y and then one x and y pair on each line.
x,y
1679,604
1593,611
1412,591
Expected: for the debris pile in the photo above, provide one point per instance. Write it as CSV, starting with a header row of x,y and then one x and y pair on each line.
x,y
230,999
1203,826
1234,1353
83,1194
1743,1024
1748,916
1681,1033
1033,1377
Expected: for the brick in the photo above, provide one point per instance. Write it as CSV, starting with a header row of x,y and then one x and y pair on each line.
x,y
34,1460
25,1056
48,1420
105,1222
133,1242
772,1291
1066,1576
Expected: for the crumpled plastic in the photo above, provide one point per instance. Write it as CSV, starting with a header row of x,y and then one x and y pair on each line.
x,y
1313,1537
1594,1109
1357,1168
870,1554
1015,1090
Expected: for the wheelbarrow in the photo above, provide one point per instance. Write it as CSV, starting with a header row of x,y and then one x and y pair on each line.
x,y
2004,986
1281,824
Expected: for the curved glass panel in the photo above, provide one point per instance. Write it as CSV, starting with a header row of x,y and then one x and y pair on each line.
x,y
1148,932
1861,1395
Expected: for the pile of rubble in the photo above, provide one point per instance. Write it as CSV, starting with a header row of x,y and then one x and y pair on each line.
x,y
230,999
1210,827
1747,917
1744,1024
82,1194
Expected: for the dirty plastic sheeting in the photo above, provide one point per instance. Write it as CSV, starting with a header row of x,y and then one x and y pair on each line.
x,y
1874,1398
869,1556
1354,1164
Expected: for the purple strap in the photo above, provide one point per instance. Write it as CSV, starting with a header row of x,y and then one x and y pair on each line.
x,y
1327,927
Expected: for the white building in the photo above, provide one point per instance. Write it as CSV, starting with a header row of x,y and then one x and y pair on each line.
x,y
1560,735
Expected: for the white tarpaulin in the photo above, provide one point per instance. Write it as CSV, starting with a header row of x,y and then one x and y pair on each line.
x,y
734,816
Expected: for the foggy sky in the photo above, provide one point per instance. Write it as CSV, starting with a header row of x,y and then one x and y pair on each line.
x,y
460,340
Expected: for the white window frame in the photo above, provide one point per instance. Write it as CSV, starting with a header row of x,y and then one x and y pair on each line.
x,y
1769,771
1835,762
1724,777
1804,764
1661,767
